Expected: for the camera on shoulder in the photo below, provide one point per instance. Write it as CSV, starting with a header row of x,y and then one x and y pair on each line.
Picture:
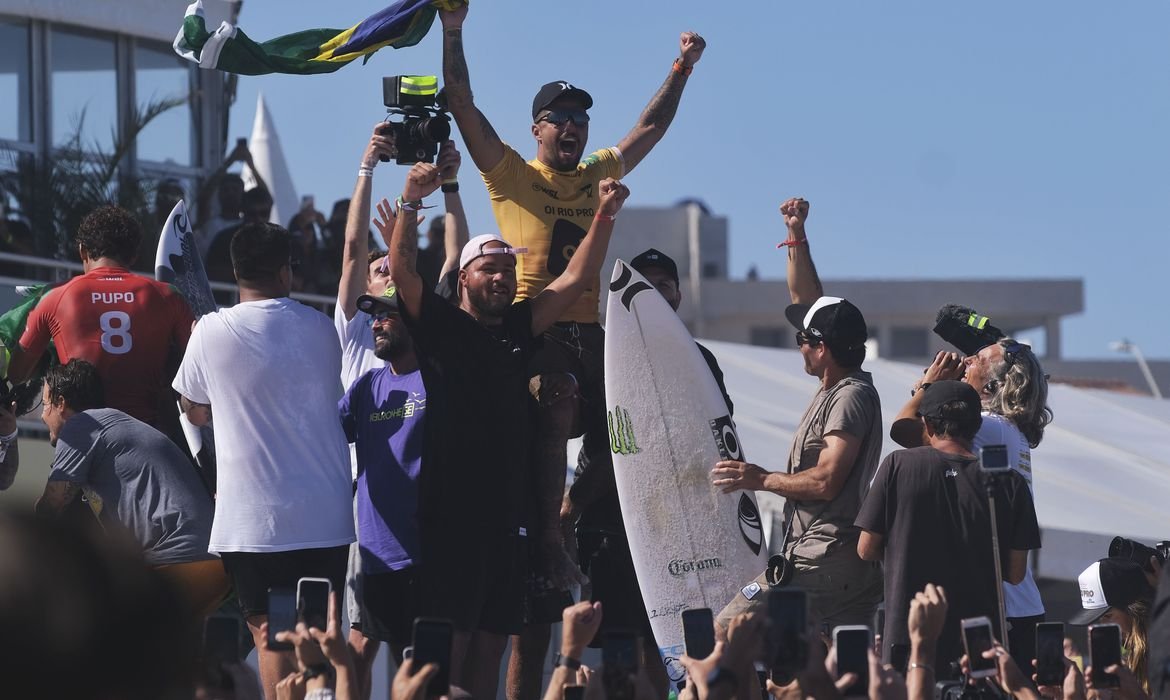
x,y
423,108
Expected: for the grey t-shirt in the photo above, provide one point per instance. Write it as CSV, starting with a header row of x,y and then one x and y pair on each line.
x,y
825,528
133,476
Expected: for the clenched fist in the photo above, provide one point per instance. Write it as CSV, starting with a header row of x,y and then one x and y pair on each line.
x,y
690,47
613,195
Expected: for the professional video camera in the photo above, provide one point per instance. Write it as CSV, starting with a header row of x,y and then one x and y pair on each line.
x,y
962,327
1138,552
425,124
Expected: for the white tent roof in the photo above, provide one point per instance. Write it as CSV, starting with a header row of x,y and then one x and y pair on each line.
x,y
1103,468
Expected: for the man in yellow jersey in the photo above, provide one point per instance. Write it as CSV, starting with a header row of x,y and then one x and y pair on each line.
x,y
546,205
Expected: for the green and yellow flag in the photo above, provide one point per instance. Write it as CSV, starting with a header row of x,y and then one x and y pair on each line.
x,y
307,52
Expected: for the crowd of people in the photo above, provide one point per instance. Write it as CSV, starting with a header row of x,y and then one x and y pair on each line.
x,y
412,454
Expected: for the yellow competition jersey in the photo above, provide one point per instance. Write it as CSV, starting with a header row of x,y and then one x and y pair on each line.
x,y
549,212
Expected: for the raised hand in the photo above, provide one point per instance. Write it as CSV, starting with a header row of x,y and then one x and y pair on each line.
x,y
449,160
580,625
690,48
381,146
795,212
613,195
422,180
928,612
946,365
453,19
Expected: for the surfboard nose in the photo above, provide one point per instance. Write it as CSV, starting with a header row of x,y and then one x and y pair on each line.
x,y
621,275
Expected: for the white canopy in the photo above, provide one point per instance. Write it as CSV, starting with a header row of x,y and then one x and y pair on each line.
x,y
1103,468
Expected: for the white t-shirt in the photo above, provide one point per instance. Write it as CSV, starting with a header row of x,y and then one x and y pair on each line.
x,y
357,346
1022,599
269,370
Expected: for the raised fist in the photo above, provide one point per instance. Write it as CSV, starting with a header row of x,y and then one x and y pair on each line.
x,y
422,180
690,47
613,195
795,211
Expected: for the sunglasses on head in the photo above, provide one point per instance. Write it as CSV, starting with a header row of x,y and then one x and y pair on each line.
x,y
559,116
806,338
1011,350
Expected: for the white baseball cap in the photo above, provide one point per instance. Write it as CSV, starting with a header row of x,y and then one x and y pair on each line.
x,y
474,249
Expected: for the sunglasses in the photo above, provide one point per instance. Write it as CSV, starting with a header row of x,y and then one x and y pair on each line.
x,y
559,116
1012,350
805,338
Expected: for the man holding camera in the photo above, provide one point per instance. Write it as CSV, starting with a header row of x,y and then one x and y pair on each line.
x,y
476,452
1014,390
927,518
546,205
834,453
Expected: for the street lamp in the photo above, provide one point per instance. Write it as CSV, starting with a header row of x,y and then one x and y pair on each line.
x,y
1124,345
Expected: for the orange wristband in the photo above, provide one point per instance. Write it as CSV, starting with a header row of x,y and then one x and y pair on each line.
x,y
679,67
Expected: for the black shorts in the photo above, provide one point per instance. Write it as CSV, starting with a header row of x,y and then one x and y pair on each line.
x,y
389,604
606,560
477,583
253,573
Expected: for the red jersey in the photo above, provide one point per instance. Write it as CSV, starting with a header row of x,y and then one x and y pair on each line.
x,y
123,323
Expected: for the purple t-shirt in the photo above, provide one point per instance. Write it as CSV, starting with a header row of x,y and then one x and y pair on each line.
x,y
382,414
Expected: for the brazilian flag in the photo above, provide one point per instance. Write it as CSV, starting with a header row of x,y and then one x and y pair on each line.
x,y
311,51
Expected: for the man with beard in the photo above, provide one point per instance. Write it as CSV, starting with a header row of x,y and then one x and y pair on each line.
x,y
382,414
476,451
545,205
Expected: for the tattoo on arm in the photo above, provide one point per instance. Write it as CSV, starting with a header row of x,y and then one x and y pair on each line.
x,y
455,73
486,128
662,108
407,248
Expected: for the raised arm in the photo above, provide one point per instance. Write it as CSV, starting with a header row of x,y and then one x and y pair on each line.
x,y
356,249
485,146
907,427
658,115
455,229
804,285
585,266
401,233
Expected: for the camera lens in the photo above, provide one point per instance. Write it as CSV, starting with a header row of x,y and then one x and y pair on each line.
x,y
1120,547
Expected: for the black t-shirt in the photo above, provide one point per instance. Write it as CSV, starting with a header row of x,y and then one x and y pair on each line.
x,y
932,509
605,514
475,462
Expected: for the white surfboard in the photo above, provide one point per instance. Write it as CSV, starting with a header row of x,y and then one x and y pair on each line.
x,y
177,262
693,547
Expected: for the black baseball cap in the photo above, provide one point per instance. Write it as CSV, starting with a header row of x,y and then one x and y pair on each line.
x,y
939,394
551,92
655,258
1110,583
388,301
833,320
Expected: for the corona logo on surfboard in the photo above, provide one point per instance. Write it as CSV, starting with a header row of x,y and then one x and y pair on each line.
x,y
621,432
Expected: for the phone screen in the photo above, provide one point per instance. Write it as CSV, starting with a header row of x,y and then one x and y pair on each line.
x,y
221,639
432,644
313,602
1050,653
574,692
852,645
698,632
282,616
1105,651
977,639
788,634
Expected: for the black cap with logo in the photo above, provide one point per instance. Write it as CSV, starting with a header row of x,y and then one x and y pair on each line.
x,y
655,258
833,320
555,90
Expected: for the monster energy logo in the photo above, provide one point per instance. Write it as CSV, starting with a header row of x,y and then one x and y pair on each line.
x,y
621,432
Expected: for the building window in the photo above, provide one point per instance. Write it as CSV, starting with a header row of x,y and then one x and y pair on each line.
x,y
85,89
908,342
160,75
15,81
771,336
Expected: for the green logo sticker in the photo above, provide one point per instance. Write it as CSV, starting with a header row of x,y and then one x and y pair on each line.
x,y
621,433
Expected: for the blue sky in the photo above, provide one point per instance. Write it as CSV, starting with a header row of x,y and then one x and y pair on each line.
x,y
952,140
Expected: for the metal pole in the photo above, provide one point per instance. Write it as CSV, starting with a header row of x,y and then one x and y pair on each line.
x,y
1145,367
1003,631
